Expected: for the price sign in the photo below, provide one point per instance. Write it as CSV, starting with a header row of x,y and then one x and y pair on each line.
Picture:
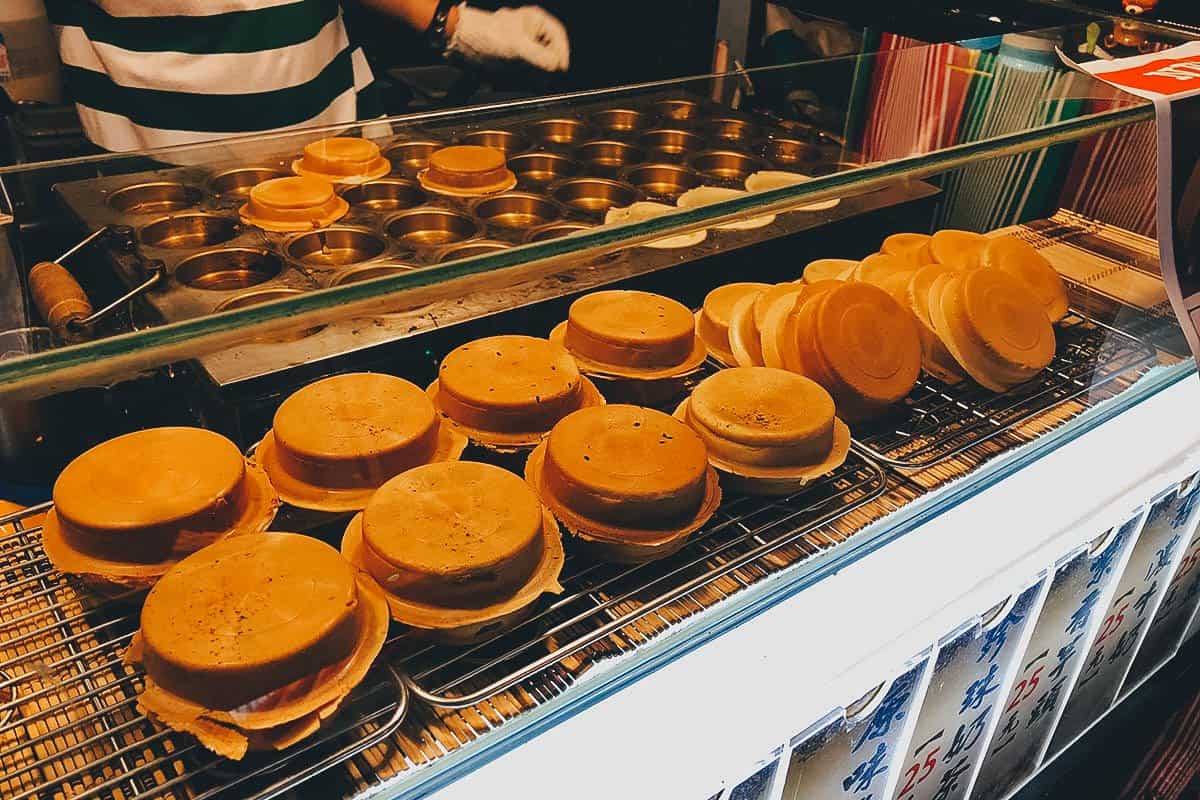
x,y
1134,601
1179,600
971,675
762,782
852,755
1048,666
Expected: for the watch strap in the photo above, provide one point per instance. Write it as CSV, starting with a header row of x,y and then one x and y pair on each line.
x,y
435,34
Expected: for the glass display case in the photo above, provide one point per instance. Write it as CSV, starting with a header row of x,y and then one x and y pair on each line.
x,y
168,305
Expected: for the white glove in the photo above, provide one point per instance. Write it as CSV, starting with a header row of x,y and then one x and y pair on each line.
x,y
528,33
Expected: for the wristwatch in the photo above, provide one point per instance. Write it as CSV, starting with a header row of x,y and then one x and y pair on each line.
x,y
435,34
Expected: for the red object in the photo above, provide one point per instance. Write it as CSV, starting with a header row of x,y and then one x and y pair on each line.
x,y
1139,6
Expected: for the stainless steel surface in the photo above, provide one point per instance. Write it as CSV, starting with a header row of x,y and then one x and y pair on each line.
x,y
229,268
558,229
155,198
517,210
431,227
413,156
507,141
599,599
609,154
468,249
336,246
188,231
594,195
671,142
237,183
733,129
539,169
385,195
726,165
791,152
419,241
72,728
560,130
621,120
368,272
423,310
678,110
666,181
259,296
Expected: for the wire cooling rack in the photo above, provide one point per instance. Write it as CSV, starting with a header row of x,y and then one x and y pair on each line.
x,y
599,600
69,724
939,421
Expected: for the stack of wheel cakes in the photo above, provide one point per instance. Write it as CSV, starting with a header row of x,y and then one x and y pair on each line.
x,y
984,305
640,347
850,337
131,508
461,550
255,641
713,318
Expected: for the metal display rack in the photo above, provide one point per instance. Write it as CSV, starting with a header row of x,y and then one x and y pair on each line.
x,y
69,722
939,421
70,727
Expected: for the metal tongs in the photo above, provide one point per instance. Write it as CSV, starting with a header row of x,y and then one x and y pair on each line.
x,y
62,301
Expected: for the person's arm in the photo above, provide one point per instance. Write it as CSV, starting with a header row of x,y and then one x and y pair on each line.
x,y
528,33
416,13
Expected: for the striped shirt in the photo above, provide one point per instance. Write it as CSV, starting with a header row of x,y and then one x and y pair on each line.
x,y
151,73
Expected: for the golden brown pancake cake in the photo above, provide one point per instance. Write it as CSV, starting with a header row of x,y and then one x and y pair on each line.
x,y
255,640
770,429
628,476
935,358
712,321
299,203
130,508
912,246
878,266
456,547
336,441
959,249
342,159
1022,260
508,391
829,269
631,334
862,346
991,324
467,170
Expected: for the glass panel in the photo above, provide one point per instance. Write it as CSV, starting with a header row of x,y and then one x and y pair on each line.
x,y
1000,142
848,123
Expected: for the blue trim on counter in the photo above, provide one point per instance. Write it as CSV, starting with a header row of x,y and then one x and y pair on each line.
x,y
422,781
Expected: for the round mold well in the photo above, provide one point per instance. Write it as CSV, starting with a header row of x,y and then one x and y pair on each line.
x,y
188,231
160,197
228,269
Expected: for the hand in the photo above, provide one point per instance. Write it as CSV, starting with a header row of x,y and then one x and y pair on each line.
x,y
528,33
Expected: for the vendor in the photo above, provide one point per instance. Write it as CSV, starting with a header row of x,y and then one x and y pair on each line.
x,y
152,73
